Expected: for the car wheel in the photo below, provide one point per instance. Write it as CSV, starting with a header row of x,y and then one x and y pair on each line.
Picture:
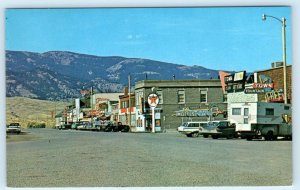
x,y
215,136
189,135
195,134
269,136
229,136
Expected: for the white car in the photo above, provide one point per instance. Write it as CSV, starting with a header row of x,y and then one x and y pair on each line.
x,y
13,128
191,129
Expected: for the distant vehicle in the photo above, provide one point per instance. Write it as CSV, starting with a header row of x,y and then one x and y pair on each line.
x,y
120,127
76,125
65,126
13,128
191,129
217,129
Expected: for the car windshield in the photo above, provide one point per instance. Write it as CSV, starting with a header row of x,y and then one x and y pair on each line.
x,y
184,124
203,124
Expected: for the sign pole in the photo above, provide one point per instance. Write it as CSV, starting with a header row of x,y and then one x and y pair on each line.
x,y
153,100
153,120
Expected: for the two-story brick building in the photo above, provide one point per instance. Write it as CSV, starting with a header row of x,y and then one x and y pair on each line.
x,y
179,101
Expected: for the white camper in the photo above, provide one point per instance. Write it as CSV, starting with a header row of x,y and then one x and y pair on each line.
x,y
261,119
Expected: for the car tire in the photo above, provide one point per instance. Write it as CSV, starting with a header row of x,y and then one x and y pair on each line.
x,y
195,134
215,136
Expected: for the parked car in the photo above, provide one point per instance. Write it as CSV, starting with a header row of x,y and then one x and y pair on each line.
x,y
65,126
191,129
13,128
217,129
76,125
120,127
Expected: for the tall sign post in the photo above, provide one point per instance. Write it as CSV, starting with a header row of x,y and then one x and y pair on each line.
x,y
153,100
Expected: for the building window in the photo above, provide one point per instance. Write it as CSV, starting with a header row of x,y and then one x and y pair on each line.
x,y
245,120
269,111
246,111
236,111
124,104
203,96
181,96
160,96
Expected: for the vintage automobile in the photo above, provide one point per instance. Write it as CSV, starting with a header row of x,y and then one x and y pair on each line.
x,y
13,128
191,129
218,129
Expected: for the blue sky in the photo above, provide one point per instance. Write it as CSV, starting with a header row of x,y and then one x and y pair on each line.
x,y
232,38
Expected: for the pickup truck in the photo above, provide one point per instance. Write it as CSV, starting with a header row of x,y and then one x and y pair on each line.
x,y
13,128
219,129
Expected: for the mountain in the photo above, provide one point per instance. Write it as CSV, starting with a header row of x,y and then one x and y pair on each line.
x,y
57,75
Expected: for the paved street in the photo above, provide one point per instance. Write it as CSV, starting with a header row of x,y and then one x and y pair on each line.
x,y
54,158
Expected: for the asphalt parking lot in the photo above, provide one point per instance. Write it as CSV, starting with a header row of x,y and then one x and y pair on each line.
x,y
67,158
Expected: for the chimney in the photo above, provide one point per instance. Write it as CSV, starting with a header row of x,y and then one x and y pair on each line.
x,y
126,91
277,64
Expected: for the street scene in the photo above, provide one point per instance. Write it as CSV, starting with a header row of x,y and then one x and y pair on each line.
x,y
149,97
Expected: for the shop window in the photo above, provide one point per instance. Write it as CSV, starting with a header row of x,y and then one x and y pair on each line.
x,y
181,96
236,111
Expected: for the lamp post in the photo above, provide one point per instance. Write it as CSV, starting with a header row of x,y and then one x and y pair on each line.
x,y
282,21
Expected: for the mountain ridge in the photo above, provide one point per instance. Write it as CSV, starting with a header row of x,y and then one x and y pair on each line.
x,y
57,75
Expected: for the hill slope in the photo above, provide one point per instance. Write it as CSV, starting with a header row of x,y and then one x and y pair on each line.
x,y
59,75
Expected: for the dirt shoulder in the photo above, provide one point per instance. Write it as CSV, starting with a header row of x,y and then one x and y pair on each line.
x,y
23,136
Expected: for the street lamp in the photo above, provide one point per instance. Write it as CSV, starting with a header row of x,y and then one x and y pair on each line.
x,y
282,21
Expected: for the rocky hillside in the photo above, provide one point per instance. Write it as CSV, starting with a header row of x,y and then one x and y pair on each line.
x,y
60,75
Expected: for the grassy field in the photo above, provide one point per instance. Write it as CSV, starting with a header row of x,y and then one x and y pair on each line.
x,y
24,110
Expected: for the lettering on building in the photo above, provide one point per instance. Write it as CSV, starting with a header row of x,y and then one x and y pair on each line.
x,y
193,113
274,96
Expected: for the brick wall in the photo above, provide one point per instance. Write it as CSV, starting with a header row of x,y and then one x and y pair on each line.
x,y
276,75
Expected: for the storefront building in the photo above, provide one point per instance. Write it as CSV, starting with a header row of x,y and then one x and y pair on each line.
x,y
179,101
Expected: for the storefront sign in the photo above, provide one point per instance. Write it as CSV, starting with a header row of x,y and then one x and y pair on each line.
x,y
254,91
240,76
193,113
262,85
235,82
275,96
153,100
228,79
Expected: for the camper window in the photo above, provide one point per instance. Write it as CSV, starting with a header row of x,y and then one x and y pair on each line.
x,y
236,111
269,111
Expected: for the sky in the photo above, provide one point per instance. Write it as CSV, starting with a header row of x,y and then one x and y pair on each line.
x,y
231,38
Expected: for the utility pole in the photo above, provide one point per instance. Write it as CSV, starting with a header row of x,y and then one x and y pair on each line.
x,y
129,79
92,106
284,60
282,21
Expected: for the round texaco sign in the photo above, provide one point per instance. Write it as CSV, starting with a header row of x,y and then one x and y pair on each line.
x,y
153,100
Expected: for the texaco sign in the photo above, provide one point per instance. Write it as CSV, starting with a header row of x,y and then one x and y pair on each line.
x,y
153,100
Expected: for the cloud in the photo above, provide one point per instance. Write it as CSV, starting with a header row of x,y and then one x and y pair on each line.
x,y
130,36
135,36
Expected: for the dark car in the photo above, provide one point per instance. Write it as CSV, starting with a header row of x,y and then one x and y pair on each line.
x,y
218,129
120,127
227,131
